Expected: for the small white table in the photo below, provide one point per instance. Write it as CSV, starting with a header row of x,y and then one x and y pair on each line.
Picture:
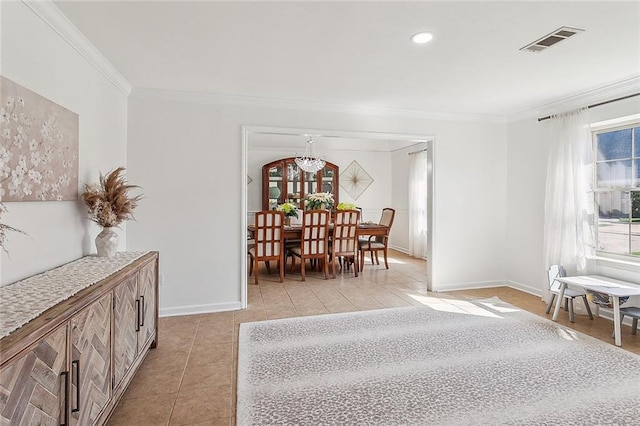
x,y
614,288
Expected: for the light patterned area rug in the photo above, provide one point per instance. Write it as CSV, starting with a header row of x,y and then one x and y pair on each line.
x,y
453,363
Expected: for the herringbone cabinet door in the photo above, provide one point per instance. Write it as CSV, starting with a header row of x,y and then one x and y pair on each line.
x,y
147,291
90,361
125,342
32,388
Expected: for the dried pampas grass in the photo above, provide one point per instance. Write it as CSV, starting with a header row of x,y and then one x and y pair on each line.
x,y
109,201
6,228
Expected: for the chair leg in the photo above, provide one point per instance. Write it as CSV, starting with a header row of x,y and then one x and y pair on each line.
x,y
255,267
268,266
281,263
634,326
356,263
377,261
284,265
586,305
386,262
250,265
333,266
570,301
325,267
361,260
303,268
550,304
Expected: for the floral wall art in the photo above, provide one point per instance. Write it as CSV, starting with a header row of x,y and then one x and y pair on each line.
x,y
38,147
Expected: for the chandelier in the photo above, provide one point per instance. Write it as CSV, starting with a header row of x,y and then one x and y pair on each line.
x,y
309,161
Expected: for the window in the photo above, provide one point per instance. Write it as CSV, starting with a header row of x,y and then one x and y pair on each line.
x,y
617,190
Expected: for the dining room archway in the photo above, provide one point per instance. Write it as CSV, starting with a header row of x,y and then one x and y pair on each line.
x,y
260,143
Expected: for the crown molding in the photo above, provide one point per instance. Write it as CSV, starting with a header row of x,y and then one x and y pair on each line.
x,y
297,105
49,13
58,22
601,94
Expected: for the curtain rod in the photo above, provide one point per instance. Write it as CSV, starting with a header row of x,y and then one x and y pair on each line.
x,y
598,104
417,152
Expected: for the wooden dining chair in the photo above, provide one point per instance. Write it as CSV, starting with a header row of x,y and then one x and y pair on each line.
x,y
251,243
269,241
374,244
344,241
314,243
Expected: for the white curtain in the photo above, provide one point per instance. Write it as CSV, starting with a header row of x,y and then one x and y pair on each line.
x,y
418,204
569,237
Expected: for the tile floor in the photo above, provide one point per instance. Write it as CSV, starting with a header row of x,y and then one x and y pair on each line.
x,y
190,378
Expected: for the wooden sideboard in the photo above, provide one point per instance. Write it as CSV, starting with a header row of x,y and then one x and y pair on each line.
x,y
71,364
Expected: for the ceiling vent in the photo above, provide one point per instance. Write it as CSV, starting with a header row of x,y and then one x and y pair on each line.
x,y
551,39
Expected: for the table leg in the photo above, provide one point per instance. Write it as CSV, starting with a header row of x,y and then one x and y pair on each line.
x,y
559,301
616,320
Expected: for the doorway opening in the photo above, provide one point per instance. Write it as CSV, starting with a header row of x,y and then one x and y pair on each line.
x,y
381,155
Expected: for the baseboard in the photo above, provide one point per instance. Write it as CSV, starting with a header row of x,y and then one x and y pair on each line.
x,y
400,249
524,287
200,309
469,285
403,250
489,284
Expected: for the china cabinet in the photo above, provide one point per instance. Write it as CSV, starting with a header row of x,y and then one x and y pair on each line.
x,y
283,181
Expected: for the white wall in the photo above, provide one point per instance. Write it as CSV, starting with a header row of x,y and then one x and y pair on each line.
x,y
36,57
526,179
469,207
528,147
400,196
188,158
488,197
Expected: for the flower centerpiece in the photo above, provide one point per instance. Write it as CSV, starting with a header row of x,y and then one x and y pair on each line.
x,y
319,200
109,205
289,209
6,228
346,206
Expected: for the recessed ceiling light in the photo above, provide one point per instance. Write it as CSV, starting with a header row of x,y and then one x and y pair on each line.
x,y
422,37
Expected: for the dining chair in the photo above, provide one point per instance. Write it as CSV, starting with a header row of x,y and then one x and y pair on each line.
x,y
359,210
251,243
344,241
374,244
556,271
314,243
269,241
634,313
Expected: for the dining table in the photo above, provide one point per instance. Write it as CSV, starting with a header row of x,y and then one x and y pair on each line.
x,y
294,232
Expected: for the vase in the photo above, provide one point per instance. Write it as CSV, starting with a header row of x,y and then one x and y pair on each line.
x,y
287,221
107,242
